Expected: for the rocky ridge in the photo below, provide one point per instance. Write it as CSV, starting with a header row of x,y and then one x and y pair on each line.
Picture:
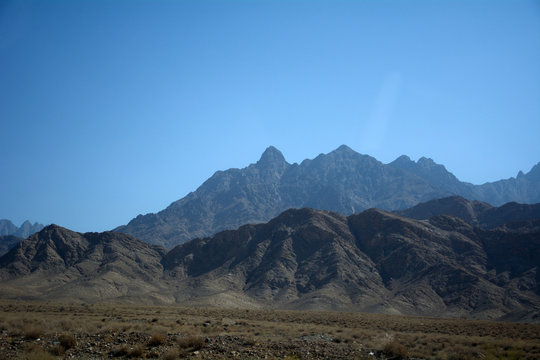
x,y
343,181
26,229
374,261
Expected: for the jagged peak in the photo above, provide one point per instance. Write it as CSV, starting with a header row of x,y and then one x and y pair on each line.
x,y
423,161
271,155
403,162
426,161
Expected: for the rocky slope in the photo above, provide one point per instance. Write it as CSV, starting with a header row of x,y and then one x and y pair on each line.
x,y
7,242
60,264
373,261
343,181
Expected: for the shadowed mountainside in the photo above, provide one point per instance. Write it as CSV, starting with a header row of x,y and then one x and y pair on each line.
x,y
343,181
7,242
374,261
474,212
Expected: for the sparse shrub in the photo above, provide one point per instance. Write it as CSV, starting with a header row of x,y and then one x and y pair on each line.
x,y
66,324
395,349
120,351
156,340
67,341
58,350
172,354
191,342
33,332
136,352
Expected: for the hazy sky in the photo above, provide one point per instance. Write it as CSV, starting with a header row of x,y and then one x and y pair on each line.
x,y
109,109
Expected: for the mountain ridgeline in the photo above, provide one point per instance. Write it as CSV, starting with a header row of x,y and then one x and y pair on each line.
x,y
26,229
343,181
373,261
10,234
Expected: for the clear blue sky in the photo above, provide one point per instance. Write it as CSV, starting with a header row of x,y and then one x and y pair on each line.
x,y
109,109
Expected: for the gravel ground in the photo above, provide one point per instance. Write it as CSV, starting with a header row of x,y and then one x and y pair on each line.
x,y
137,345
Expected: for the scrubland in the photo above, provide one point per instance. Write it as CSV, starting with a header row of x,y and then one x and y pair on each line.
x,y
97,331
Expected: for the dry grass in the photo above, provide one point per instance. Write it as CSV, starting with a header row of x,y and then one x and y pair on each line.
x,y
157,339
33,332
191,343
34,352
67,341
395,350
141,331
171,354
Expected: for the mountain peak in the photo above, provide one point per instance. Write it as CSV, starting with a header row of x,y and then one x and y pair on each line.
x,y
54,228
402,160
26,229
344,149
426,162
271,155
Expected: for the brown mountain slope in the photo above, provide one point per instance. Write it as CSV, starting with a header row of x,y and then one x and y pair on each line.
x,y
303,259
57,263
373,261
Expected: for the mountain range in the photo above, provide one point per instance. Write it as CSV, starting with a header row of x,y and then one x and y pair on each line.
x,y
374,261
474,212
10,234
26,229
343,181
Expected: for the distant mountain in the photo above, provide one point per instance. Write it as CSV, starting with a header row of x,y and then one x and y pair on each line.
x,y
7,242
60,264
25,230
343,181
474,212
373,261
7,227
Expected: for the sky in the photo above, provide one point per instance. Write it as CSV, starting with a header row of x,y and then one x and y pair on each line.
x,y
110,109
